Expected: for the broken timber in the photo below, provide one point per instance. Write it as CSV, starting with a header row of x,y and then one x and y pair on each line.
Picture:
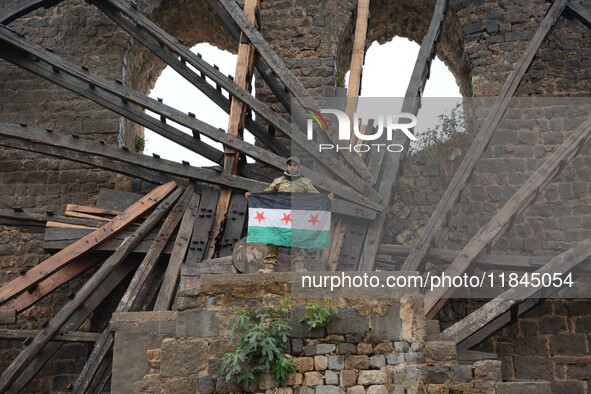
x,y
59,260
63,336
13,371
392,162
503,219
481,139
501,304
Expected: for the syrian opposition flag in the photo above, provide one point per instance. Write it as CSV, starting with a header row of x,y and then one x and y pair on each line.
x,y
289,219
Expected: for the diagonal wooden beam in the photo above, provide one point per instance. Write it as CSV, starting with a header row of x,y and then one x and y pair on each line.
x,y
64,336
581,12
23,8
296,135
301,95
481,139
392,162
78,248
495,228
106,156
198,81
478,319
37,344
103,92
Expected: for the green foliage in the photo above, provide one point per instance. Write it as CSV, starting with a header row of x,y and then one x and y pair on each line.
x,y
140,144
317,314
449,127
259,338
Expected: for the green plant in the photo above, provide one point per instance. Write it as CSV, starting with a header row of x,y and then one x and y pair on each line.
x,y
317,314
450,127
259,338
140,144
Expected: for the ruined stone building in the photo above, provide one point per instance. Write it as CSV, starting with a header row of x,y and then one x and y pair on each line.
x,y
483,43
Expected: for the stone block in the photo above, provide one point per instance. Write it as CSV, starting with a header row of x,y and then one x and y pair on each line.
x,y
153,356
179,385
383,348
312,379
371,377
206,385
533,368
266,382
295,379
183,357
346,348
356,390
378,389
530,346
364,348
199,324
389,324
357,362
336,362
348,377
328,389
331,377
435,375
320,363
568,386
461,373
377,361
568,344
414,357
489,370
304,364
348,321
147,387
523,387
440,351
297,346
303,390
395,358
299,329
401,347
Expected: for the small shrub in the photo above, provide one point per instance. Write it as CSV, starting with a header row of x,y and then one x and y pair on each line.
x,y
259,338
140,144
317,314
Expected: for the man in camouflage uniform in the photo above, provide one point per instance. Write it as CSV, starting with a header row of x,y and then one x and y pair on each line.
x,y
290,182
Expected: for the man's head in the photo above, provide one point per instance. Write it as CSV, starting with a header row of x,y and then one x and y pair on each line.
x,y
292,165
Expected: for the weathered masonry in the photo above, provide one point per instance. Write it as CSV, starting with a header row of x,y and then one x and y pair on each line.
x,y
515,195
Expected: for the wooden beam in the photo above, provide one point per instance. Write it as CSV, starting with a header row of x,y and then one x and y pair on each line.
x,y
23,8
242,77
392,162
63,336
78,248
478,319
261,109
181,67
581,12
481,139
7,316
166,294
43,218
494,229
301,95
26,299
12,372
510,261
107,157
110,95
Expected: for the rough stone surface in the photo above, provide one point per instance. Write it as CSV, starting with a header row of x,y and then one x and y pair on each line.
x,y
371,377
523,387
327,389
348,377
488,370
348,321
336,362
183,357
377,361
440,351
312,379
436,375
331,377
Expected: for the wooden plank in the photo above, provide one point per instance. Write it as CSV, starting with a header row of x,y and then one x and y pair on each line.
x,y
23,8
392,162
92,210
581,12
12,372
63,336
181,245
77,319
105,156
181,67
68,225
301,95
78,248
501,221
562,264
353,242
7,316
43,218
481,139
297,137
94,362
234,224
26,299
203,223
137,289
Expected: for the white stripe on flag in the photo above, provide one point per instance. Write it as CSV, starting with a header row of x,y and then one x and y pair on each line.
x,y
284,218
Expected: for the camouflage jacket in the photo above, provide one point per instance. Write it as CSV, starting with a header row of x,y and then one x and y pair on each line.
x,y
284,185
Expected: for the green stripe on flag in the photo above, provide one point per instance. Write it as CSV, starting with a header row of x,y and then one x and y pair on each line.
x,y
288,237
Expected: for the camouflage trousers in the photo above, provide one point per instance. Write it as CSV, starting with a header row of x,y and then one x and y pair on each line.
x,y
297,255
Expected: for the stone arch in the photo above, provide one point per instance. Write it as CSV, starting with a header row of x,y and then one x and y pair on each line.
x,y
409,19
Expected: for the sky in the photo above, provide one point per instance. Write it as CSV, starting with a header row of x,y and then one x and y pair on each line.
x,y
386,73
